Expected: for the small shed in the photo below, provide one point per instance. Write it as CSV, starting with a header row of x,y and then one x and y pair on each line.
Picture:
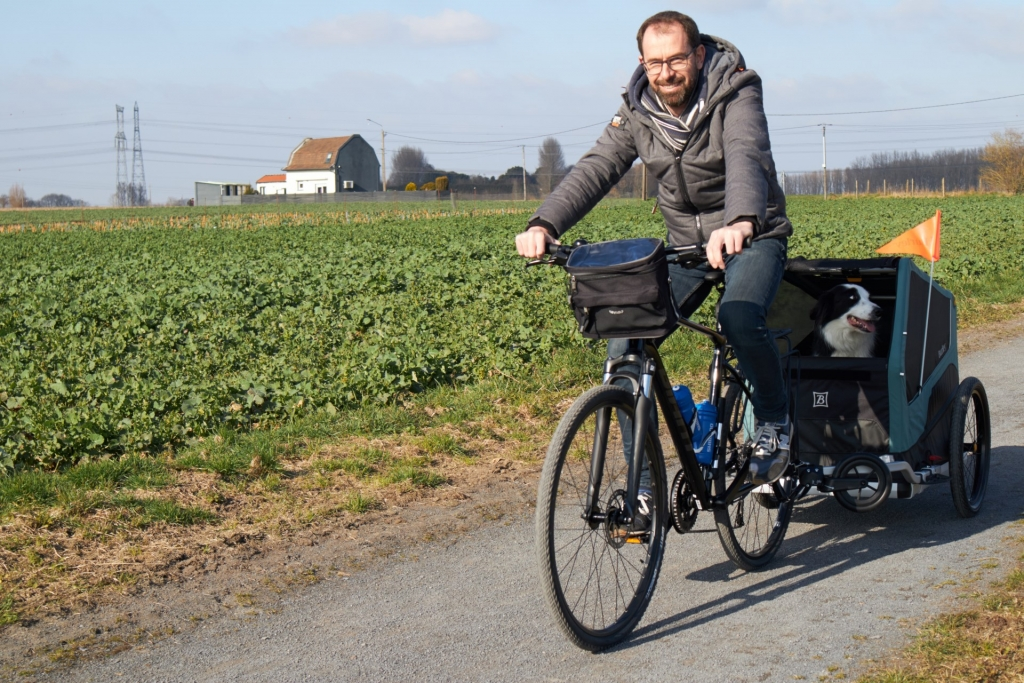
x,y
216,193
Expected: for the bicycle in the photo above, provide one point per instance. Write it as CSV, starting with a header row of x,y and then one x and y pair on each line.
x,y
598,567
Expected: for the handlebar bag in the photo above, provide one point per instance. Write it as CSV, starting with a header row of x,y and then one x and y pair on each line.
x,y
620,289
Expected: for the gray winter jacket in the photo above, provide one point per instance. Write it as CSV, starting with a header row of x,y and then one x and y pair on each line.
x,y
725,172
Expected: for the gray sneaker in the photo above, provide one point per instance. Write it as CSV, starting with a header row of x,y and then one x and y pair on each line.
x,y
770,458
644,512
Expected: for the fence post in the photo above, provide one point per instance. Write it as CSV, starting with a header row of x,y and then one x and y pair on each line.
x,y
451,193
943,188
868,190
856,189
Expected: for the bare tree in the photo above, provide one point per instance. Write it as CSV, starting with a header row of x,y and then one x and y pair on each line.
x,y
550,165
410,165
16,196
4,201
1004,162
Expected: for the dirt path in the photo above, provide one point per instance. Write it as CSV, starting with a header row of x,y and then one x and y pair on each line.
x,y
463,602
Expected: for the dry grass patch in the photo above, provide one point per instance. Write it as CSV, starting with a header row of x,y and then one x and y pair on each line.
x,y
979,644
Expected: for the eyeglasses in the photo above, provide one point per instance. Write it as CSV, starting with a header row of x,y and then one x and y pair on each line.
x,y
677,63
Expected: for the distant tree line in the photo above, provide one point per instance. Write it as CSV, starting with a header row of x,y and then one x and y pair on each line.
x,y
16,199
895,172
996,167
409,168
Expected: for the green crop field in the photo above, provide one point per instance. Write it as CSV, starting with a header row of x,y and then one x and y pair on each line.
x,y
131,331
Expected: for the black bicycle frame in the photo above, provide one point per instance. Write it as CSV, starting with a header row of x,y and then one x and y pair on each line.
x,y
652,383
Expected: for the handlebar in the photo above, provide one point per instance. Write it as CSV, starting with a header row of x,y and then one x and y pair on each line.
x,y
558,254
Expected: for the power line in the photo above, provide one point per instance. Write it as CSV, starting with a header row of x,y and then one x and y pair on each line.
x,y
57,126
494,142
886,111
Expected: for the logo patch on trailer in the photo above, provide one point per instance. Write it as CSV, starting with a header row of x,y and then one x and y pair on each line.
x,y
820,399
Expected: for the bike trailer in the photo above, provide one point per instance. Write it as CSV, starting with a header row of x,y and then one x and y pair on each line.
x,y
896,407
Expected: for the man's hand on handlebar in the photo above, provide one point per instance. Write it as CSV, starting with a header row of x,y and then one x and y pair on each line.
x,y
534,242
731,238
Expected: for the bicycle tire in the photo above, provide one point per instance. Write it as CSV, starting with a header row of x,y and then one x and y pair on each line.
x,y
597,585
970,440
753,526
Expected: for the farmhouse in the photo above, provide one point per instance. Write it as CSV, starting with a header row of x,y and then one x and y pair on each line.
x,y
327,165
274,183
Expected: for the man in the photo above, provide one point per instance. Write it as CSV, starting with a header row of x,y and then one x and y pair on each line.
x,y
695,116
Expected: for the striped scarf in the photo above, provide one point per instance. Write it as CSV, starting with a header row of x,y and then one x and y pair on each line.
x,y
675,129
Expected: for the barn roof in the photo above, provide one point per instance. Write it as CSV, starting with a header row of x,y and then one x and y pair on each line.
x,y
272,178
316,154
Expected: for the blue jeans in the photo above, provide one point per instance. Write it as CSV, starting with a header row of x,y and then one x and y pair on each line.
x,y
751,280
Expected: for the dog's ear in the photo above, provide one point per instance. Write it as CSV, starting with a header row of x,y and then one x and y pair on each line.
x,y
814,311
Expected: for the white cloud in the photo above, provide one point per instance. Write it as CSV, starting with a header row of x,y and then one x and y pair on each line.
x,y
350,29
812,11
990,28
448,27
993,30
697,7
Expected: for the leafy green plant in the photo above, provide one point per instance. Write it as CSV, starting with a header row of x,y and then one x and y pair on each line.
x,y
127,331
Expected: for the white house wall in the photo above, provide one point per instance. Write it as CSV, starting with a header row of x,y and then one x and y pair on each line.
x,y
271,188
307,182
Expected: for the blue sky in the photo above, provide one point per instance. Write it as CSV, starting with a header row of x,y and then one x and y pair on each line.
x,y
226,91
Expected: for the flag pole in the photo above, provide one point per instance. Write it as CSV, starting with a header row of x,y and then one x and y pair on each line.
x,y
927,313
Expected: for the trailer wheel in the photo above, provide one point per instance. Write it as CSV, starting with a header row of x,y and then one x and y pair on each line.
x,y
970,440
871,469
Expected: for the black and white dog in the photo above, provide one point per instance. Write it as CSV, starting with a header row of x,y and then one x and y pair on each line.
x,y
844,323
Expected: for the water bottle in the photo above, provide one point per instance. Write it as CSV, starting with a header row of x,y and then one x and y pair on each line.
x,y
705,421
684,399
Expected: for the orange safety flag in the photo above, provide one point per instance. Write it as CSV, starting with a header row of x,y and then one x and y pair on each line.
x,y
921,240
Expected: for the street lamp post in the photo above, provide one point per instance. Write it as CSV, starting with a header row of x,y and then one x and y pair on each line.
x,y
383,157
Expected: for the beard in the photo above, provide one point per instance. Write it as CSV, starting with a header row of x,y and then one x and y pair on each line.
x,y
677,96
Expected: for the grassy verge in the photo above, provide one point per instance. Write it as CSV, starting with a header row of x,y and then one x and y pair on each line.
x,y
118,524
979,644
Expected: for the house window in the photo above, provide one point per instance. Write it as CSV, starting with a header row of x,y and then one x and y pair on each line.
x,y
329,155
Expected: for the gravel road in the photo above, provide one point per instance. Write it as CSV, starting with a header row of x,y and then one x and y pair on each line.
x,y
845,588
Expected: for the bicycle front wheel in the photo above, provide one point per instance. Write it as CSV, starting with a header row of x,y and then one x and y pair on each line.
x,y
598,576
753,526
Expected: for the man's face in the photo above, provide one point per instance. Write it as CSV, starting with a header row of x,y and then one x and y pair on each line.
x,y
663,43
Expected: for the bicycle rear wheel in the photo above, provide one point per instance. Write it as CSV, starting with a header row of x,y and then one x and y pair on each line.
x,y
753,526
598,576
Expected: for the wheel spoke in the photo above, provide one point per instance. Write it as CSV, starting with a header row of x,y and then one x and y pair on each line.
x,y
753,526
594,576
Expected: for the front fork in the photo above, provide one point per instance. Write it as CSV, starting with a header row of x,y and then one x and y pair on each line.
x,y
642,407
